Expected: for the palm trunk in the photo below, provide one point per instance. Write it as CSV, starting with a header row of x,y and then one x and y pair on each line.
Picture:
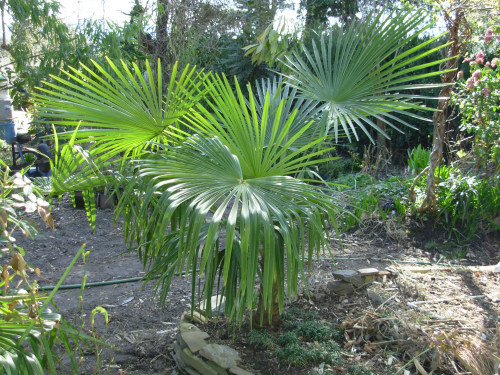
x,y
261,315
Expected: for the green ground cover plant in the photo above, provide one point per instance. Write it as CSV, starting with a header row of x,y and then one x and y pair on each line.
x,y
301,341
418,159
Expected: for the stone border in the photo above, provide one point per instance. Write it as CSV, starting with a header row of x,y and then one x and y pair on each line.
x,y
195,356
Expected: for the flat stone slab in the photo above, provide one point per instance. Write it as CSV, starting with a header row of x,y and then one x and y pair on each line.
x,y
340,287
222,355
188,327
194,340
368,271
350,276
197,363
239,371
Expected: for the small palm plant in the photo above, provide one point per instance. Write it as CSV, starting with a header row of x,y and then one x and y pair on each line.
x,y
223,204
221,197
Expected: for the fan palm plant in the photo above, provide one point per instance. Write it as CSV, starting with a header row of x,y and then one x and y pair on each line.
x,y
221,197
222,203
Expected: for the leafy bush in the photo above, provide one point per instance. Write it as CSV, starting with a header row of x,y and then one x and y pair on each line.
x,y
29,330
293,354
418,159
261,339
368,197
336,168
468,205
314,331
288,338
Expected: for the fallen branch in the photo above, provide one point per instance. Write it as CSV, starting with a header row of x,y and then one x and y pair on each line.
x,y
446,299
434,315
415,180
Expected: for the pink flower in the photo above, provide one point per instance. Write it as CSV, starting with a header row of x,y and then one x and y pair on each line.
x,y
480,57
488,36
494,62
488,64
476,75
467,59
486,91
460,75
470,83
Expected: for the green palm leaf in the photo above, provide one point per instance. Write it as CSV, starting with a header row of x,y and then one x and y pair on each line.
x,y
307,110
120,111
363,72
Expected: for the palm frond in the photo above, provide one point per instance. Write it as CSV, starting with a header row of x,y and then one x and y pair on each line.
x,y
307,110
123,111
362,73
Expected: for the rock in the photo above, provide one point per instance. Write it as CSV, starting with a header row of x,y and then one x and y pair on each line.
x,y
239,371
188,327
178,356
197,363
350,276
196,317
340,287
221,355
194,340
191,371
180,362
497,268
368,274
220,370
368,271
217,304
378,296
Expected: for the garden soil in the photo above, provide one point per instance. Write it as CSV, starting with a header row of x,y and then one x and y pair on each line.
x,y
142,333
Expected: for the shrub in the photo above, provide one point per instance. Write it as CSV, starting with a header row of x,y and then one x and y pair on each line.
x,y
477,99
468,205
29,330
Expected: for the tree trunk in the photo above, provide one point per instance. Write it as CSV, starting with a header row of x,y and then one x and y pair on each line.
x,y
440,118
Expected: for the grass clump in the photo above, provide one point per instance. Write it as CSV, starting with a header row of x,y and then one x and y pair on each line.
x,y
293,354
313,331
288,339
261,339
307,341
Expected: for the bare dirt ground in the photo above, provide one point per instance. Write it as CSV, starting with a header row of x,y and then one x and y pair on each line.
x,y
142,333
